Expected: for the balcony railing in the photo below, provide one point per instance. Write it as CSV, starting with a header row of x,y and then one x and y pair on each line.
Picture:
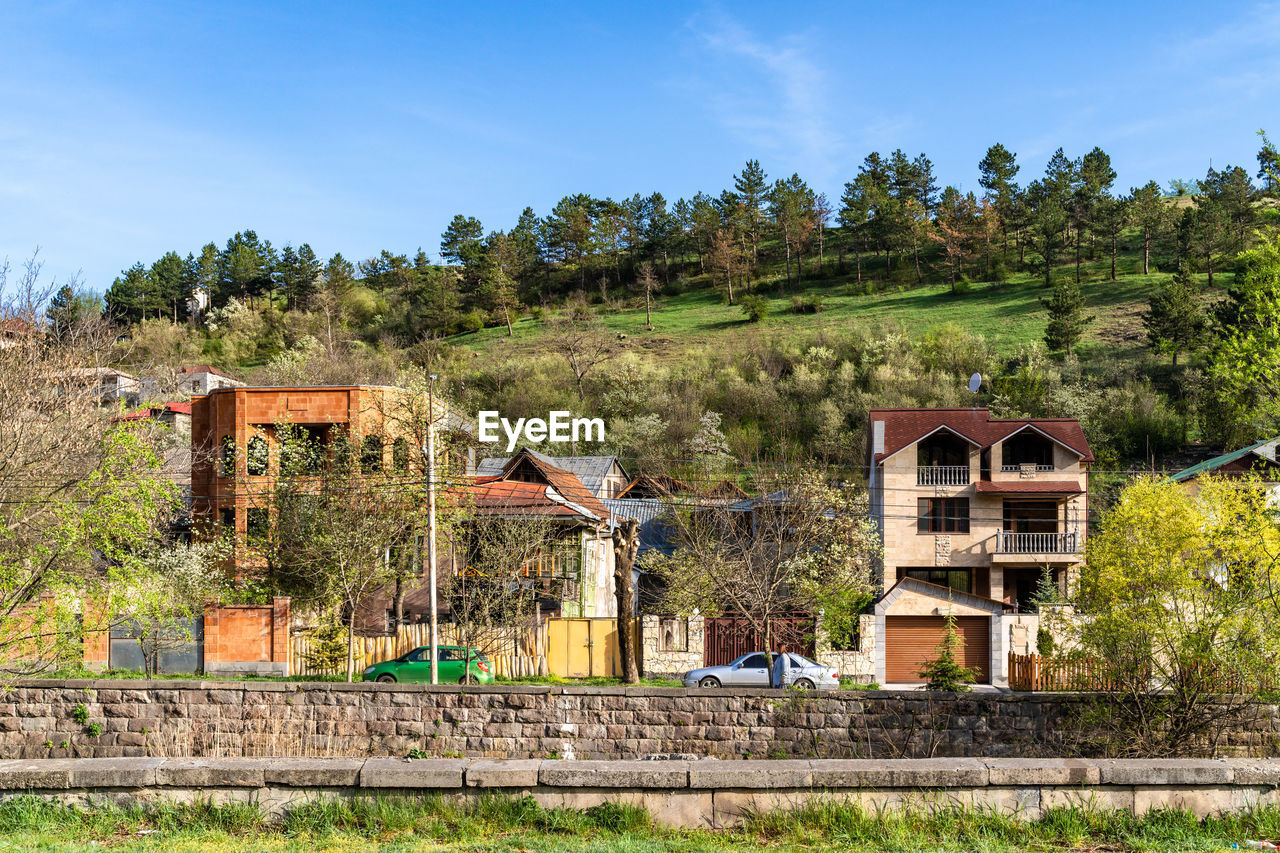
x,y
1040,469
1037,543
942,475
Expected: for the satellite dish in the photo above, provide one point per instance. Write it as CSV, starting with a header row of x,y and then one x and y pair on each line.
x,y
975,382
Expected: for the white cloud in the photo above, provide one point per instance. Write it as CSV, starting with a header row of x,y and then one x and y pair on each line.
x,y
770,92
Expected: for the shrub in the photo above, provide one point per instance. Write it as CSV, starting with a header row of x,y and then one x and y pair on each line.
x,y
472,321
811,304
755,307
963,284
944,672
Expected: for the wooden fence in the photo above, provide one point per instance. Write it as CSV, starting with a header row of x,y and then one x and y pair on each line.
x,y
527,653
1033,672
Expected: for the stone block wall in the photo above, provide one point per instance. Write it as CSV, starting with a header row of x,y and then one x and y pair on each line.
x,y
857,666
707,794
660,663
40,719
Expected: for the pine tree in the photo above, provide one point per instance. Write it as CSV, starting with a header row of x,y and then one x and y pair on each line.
x,y
1175,319
1153,215
752,188
1067,319
944,672
997,170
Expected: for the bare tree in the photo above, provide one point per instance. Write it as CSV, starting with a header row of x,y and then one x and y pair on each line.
x,y
578,336
649,283
341,534
494,592
626,545
799,545
81,496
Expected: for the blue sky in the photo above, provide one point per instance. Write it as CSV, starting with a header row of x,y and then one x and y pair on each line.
x,y
127,129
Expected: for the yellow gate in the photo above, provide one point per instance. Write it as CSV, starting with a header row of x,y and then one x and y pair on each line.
x,y
584,648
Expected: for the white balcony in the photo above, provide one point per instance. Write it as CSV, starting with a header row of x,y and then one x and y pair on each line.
x,y
1037,543
942,475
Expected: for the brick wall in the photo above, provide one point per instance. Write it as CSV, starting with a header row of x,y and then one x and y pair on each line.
x,y
247,639
174,718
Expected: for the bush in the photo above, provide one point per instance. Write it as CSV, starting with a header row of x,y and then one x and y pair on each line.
x,y
755,307
811,304
1000,271
963,284
472,321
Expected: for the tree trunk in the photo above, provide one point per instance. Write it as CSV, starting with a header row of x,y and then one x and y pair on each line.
x,y
915,250
1146,251
626,544
506,313
351,643
1114,249
648,317
397,606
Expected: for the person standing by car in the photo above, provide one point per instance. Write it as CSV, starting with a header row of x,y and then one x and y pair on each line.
x,y
780,665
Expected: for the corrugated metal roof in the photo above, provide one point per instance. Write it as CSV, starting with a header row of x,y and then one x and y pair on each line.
x,y
1258,448
656,533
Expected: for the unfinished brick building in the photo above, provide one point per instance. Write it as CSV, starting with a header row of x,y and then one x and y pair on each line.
x,y
234,445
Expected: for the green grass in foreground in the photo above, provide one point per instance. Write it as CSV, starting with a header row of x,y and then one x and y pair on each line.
x,y
497,823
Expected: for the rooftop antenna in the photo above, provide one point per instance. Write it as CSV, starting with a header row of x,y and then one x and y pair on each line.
x,y
975,382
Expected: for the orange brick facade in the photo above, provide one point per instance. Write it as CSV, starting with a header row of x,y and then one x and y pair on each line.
x,y
247,639
223,497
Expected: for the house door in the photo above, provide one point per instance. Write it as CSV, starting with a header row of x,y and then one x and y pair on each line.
x,y
912,641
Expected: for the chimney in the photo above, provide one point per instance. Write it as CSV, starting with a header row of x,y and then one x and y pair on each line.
x,y
877,437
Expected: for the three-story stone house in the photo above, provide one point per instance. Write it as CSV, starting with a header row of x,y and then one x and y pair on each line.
x,y
973,511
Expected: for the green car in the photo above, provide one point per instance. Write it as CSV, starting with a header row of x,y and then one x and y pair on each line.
x,y
415,667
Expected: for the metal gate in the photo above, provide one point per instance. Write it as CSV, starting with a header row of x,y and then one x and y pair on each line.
x,y
181,653
730,637
586,647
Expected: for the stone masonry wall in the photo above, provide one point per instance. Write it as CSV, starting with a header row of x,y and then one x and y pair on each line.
x,y
659,663
43,719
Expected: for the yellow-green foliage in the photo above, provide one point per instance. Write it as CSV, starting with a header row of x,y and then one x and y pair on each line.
x,y
1178,581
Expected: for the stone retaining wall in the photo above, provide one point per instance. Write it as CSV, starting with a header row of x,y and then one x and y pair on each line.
x,y
44,719
703,793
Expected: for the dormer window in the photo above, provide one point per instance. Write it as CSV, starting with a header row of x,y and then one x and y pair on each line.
x,y
942,459
1026,448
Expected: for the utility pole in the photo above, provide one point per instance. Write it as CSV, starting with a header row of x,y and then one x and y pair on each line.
x,y
431,526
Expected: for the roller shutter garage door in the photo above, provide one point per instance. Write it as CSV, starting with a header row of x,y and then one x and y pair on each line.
x,y
910,641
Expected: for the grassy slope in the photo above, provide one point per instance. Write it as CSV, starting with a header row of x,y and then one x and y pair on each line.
x,y
1008,314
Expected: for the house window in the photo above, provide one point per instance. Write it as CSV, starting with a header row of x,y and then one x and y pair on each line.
x,y
342,453
400,456
960,580
371,454
227,456
1026,448
944,515
257,523
673,635
227,517
258,457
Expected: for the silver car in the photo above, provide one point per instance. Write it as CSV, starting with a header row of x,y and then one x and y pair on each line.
x,y
752,670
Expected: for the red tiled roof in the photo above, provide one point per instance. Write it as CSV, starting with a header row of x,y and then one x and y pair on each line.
x,y
904,427
562,493
179,408
567,484
1029,487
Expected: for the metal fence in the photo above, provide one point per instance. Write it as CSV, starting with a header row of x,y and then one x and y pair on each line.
x,y
730,637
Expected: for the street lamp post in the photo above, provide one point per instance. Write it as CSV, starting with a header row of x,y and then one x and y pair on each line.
x,y
431,527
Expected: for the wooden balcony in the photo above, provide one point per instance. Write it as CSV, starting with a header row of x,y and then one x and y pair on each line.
x,y
942,475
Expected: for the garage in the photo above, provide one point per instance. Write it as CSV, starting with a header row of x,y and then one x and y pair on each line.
x,y
910,641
